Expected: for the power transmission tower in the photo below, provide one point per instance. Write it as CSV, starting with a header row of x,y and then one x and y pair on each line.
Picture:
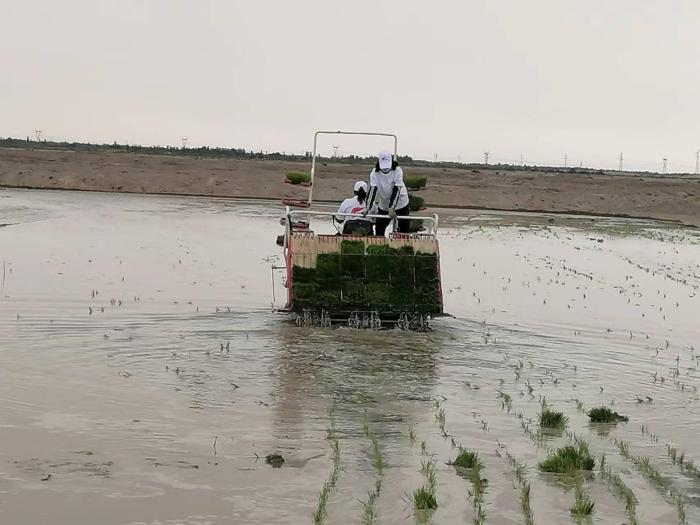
x,y
184,142
619,167
335,151
697,162
664,167
521,159
566,159
486,157
37,132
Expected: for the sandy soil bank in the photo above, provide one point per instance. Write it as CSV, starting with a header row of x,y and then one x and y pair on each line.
x,y
627,195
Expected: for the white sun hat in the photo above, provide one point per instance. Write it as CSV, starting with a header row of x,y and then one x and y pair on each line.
x,y
360,184
385,160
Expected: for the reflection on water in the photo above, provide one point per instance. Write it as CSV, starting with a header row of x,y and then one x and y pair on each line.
x,y
352,372
145,377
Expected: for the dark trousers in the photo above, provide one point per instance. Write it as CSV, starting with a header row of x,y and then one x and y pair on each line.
x,y
381,224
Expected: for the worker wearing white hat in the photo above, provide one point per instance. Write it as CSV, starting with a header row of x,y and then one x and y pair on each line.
x,y
388,190
356,205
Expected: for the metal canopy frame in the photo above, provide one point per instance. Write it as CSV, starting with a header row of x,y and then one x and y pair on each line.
x,y
366,133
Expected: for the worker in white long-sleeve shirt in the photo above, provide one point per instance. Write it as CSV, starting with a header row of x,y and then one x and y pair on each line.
x,y
356,205
387,189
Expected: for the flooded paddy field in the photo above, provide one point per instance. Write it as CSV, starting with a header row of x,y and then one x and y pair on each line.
x,y
144,377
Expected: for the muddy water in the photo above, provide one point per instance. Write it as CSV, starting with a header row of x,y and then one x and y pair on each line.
x,y
144,376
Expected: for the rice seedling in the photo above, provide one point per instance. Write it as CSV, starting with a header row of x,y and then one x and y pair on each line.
x,y
320,513
525,504
478,492
573,436
369,507
602,465
297,177
530,388
411,434
624,448
378,461
331,421
671,452
622,490
465,459
552,419
678,458
480,517
579,405
519,473
643,464
605,415
365,425
689,466
506,400
424,499
680,510
469,460
568,460
583,506
369,514
428,468
536,437
441,418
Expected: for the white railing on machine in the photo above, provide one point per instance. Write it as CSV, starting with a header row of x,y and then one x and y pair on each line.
x,y
431,222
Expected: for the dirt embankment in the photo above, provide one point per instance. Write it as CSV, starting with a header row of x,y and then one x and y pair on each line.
x,y
625,195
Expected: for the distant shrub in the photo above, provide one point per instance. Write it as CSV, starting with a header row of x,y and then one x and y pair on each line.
x,y
297,177
414,182
415,203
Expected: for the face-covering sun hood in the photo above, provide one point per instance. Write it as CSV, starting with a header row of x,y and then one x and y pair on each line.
x,y
394,165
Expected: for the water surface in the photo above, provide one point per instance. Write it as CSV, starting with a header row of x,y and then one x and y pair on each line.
x,y
145,375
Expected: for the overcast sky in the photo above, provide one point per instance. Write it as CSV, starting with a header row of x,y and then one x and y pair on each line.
x,y
541,78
